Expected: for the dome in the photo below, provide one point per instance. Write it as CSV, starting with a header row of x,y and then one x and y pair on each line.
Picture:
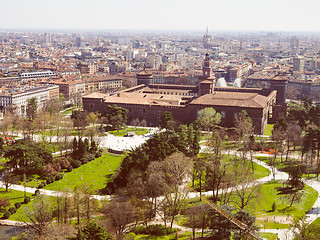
x,y
221,82
237,83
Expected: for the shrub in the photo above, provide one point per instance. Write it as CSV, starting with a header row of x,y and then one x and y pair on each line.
x,y
42,185
37,192
6,214
75,164
12,210
4,202
69,168
64,163
98,154
58,177
84,160
130,236
49,180
17,205
273,207
51,169
154,230
26,199
87,158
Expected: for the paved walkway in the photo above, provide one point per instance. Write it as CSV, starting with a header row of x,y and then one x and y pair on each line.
x,y
126,143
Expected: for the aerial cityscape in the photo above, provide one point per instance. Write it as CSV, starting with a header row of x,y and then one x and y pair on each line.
x,y
171,120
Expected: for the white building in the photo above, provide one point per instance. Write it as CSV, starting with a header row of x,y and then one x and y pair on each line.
x,y
34,75
17,99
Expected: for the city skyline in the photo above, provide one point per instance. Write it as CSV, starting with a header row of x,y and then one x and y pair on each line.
x,y
247,15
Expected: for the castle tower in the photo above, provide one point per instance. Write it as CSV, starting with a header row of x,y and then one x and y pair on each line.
x,y
206,70
279,83
144,77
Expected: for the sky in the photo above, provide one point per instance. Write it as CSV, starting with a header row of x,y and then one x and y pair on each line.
x,y
182,15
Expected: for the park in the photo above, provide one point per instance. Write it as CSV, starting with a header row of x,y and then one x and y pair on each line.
x,y
80,171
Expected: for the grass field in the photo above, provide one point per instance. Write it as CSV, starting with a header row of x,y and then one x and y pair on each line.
x,y
13,195
268,236
95,173
268,194
137,131
179,235
259,171
277,162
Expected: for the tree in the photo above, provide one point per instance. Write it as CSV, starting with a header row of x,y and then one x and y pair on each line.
x,y
197,218
208,118
155,187
302,230
246,218
8,179
119,214
199,168
244,128
32,107
80,120
24,155
92,231
4,203
245,190
1,145
220,226
39,216
165,117
295,176
292,136
176,168
215,175
53,106
116,116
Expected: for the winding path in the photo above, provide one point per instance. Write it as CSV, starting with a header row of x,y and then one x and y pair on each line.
x,y
283,234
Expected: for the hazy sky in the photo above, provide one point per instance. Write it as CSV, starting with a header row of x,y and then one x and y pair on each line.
x,y
234,15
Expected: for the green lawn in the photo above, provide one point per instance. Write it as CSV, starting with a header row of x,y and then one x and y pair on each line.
x,y
259,171
268,236
96,173
268,195
13,195
277,162
69,111
180,235
54,133
137,131
268,129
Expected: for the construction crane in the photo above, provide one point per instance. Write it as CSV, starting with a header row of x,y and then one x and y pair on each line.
x,y
241,225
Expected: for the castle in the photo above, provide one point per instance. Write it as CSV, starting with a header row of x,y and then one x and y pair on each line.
x,y
148,101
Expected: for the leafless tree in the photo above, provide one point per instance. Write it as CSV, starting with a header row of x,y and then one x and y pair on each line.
x,y
39,216
245,189
176,169
119,214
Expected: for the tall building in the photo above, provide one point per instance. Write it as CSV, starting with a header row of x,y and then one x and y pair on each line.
x,y
294,43
47,38
207,40
298,64
78,42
